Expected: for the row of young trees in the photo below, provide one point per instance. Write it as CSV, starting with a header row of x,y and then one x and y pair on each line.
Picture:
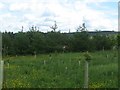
x,y
36,42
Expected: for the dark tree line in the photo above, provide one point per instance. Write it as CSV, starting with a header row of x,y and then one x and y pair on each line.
x,y
36,42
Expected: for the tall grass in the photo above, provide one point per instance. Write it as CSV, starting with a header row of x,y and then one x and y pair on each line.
x,y
61,70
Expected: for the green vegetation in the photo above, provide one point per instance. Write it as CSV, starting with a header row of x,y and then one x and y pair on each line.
x,y
35,59
36,42
63,70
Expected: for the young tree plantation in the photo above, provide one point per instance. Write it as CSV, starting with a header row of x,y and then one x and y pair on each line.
x,y
27,43
35,59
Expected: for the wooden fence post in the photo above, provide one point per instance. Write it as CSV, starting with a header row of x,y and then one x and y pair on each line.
x,y
1,74
86,74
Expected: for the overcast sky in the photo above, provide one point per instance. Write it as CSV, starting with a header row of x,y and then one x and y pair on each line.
x,y
69,14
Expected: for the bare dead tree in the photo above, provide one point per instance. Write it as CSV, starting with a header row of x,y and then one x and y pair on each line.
x,y
54,27
32,28
22,29
81,28
35,28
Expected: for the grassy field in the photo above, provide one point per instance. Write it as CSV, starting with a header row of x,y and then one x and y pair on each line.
x,y
61,70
